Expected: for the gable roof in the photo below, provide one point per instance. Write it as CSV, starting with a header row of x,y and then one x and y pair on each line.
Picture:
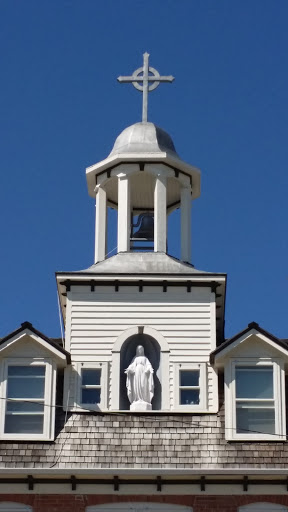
x,y
29,326
252,326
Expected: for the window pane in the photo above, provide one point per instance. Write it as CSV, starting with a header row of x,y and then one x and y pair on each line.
x,y
189,377
19,371
255,418
21,407
22,424
25,387
91,377
91,396
189,396
254,382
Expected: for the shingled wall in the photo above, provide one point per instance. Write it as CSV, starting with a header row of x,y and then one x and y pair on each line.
x,y
128,440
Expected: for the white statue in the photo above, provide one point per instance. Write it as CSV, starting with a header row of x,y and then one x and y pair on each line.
x,y
139,382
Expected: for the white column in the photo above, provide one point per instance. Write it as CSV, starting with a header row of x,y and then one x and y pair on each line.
x,y
124,214
185,223
160,214
100,225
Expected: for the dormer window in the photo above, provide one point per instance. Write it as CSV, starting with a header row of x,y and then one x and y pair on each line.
x,y
254,368
28,384
25,399
254,399
28,399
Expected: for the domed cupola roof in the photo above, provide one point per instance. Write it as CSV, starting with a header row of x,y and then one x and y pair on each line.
x,y
142,143
143,138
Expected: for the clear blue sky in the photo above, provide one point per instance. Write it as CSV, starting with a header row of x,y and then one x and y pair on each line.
x,y
227,111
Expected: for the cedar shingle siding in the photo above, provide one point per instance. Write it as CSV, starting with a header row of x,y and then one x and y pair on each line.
x,y
134,441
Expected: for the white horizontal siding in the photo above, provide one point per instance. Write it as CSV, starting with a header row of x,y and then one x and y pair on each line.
x,y
118,319
96,320
90,305
190,331
91,359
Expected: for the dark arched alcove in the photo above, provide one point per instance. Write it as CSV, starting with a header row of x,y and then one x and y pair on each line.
x,y
152,352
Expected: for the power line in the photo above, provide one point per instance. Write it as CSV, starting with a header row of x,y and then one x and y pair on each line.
x,y
142,416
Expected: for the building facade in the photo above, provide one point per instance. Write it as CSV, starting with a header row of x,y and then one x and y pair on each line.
x,y
144,406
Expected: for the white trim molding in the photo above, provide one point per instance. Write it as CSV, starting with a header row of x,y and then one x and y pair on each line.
x,y
132,331
12,342
227,352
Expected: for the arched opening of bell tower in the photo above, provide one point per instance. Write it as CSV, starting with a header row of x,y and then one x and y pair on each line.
x,y
143,196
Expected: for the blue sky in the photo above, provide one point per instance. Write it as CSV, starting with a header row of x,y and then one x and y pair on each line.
x,y
227,112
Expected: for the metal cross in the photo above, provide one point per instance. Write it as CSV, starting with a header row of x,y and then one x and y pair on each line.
x,y
145,79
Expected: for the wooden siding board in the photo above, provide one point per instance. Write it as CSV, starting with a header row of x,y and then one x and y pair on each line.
x,y
183,318
117,320
136,305
116,331
135,314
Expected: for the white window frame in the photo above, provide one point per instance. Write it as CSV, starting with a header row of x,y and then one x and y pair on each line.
x,y
103,384
202,367
279,397
49,397
263,507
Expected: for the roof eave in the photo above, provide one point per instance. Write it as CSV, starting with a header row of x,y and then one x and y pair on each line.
x,y
162,157
218,356
27,326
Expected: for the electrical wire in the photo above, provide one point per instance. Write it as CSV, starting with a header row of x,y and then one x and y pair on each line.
x,y
76,409
111,251
60,321
63,444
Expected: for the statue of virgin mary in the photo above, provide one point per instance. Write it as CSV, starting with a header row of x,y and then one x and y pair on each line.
x,y
139,382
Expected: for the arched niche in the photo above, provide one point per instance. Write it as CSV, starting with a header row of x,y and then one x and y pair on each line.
x,y
156,350
152,352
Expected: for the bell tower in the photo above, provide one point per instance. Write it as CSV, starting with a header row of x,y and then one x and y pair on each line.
x,y
142,297
145,180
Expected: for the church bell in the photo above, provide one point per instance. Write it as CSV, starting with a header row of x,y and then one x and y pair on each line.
x,y
145,222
